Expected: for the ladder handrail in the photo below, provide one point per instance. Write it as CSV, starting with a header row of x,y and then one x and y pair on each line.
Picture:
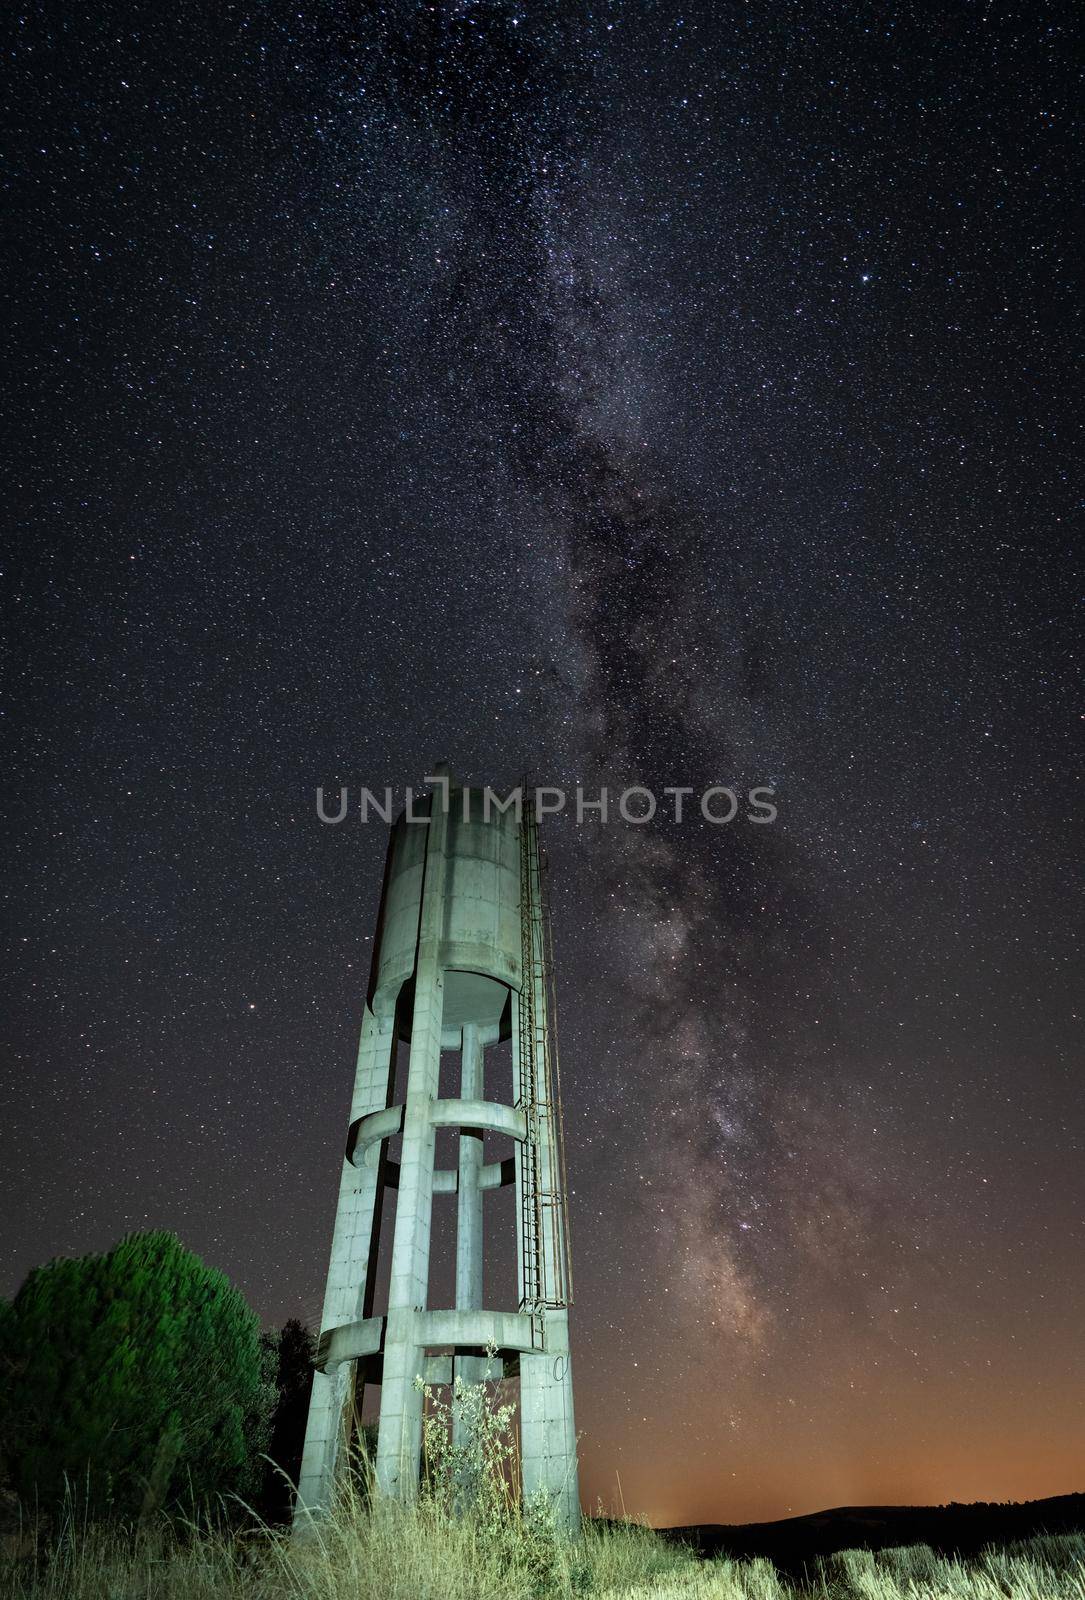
x,y
547,1272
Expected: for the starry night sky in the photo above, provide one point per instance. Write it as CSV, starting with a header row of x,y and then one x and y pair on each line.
x,y
619,393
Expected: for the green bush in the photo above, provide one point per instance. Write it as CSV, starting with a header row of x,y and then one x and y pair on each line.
x,y
290,1353
137,1377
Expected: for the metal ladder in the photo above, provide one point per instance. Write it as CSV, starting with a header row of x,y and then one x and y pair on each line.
x,y
546,1262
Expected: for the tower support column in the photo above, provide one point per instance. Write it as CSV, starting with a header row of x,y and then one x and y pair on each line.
x,y
399,1436
349,1286
469,1241
548,1425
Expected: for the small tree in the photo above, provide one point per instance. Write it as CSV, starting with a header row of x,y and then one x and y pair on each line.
x,y
8,1375
292,1350
467,1449
469,1460
138,1376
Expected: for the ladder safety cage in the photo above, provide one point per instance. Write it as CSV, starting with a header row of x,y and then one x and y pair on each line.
x,y
546,1261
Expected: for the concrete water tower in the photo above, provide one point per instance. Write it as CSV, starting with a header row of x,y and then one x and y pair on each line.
x,y
461,962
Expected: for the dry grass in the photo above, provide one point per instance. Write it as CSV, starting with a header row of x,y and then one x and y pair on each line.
x,y
387,1552
378,1551
1048,1568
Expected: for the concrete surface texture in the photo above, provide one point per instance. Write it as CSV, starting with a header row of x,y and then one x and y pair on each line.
x,y
461,962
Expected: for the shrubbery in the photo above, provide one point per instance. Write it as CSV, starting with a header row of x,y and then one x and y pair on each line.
x,y
134,1379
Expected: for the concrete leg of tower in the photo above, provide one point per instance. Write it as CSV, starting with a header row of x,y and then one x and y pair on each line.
x,y
469,1246
548,1426
353,1252
399,1435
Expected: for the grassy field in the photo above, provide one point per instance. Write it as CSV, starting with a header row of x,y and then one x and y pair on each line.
x,y
388,1553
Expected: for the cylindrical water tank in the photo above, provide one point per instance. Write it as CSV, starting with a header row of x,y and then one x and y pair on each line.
x,y
480,946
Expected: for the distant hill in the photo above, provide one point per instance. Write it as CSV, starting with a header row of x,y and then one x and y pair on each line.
x,y
953,1528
